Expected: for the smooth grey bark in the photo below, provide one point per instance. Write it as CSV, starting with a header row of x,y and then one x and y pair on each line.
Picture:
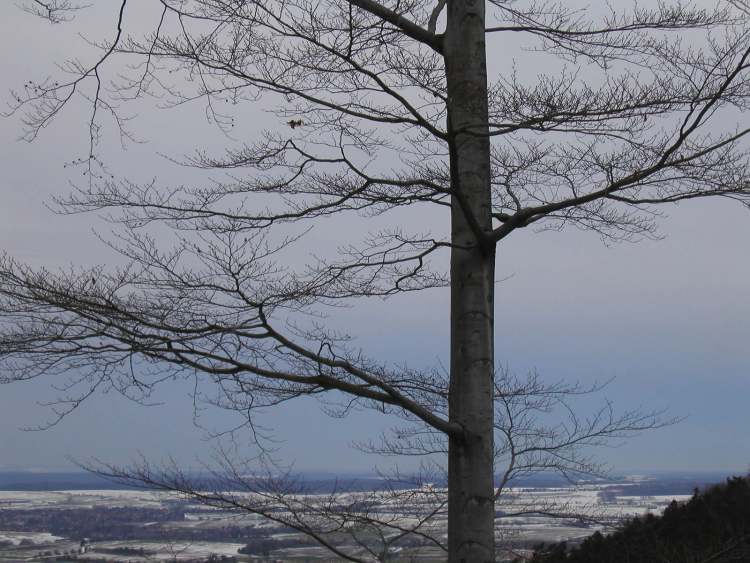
x,y
470,457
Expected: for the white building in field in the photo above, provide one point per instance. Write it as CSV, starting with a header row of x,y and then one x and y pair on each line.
x,y
85,545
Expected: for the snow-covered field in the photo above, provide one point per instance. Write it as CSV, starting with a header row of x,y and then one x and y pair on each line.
x,y
82,499
166,551
519,521
16,538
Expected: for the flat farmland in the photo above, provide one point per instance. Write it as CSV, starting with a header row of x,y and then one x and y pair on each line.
x,y
142,525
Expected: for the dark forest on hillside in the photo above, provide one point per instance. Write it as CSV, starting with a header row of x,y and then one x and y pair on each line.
x,y
713,526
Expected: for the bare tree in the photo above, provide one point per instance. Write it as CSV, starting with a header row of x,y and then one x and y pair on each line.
x,y
54,11
386,106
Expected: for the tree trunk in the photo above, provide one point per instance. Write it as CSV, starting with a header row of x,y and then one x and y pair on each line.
x,y
470,459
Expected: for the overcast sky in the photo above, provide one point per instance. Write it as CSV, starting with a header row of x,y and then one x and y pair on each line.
x,y
668,319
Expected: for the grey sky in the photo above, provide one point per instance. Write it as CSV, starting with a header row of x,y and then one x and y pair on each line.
x,y
668,320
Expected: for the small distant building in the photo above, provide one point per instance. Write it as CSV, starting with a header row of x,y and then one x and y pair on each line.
x,y
85,545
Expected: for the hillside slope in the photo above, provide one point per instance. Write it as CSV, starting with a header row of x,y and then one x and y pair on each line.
x,y
712,527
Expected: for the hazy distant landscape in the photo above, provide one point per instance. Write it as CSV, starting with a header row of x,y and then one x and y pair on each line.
x,y
46,517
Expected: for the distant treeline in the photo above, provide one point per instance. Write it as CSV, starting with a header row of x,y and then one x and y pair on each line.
x,y
312,483
713,526
322,482
124,523
73,481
